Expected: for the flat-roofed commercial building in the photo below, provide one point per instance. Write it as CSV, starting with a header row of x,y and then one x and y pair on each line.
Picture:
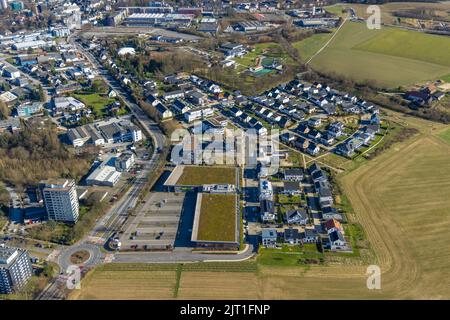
x,y
15,269
80,135
60,199
154,19
125,161
104,132
103,175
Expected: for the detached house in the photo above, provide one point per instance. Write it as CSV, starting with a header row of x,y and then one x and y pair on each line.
x,y
314,122
337,240
180,107
333,225
292,236
287,137
163,111
269,238
329,212
311,236
260,129
235,111
313,149
299,216
291,188
173,95
301,143
196,97
293,174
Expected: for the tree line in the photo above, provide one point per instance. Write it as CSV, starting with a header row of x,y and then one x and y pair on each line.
x,y
35,153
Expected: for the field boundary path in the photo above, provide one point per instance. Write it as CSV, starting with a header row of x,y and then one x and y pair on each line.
x,y
327,43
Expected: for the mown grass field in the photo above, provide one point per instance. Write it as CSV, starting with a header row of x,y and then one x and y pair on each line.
x,y
388,57
400,202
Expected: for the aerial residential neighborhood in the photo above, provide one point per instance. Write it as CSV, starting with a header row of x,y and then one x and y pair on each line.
x,y
249,150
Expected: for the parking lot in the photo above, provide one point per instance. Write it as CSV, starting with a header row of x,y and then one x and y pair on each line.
x,y
156,223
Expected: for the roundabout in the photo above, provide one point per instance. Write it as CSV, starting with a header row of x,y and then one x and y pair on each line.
x,y
84,254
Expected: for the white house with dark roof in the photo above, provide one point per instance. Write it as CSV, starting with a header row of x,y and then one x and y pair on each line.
x,y
299,216
163,111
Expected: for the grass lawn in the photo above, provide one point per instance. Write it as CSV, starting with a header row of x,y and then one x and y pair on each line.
x,y
96,102
446,78
286,199
389,57
290,256
199,175
217,220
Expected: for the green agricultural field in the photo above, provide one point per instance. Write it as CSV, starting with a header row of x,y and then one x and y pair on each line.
x,y
445,135
388,57
446,78
413,45
336,10
309,46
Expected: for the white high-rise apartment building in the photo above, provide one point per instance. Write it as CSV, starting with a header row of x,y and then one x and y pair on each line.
x,y
15,269
4,4
60,199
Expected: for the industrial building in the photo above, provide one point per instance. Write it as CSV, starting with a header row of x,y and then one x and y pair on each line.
x,y
104,132
103,175
125,161
158,19
35,44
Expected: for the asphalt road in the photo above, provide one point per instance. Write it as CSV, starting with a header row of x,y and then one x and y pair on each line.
x,y
180,255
